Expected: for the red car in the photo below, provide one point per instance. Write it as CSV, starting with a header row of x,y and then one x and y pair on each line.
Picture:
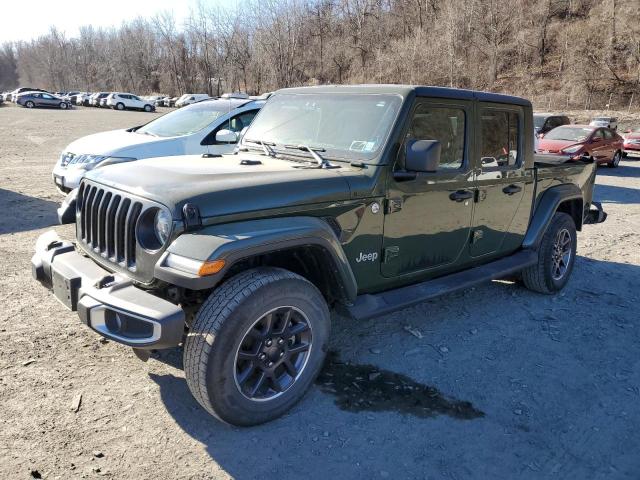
x,y
631,141
576,141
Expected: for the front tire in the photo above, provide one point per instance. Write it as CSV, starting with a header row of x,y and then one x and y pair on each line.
x,y
615,161
256,345
147,108
63,106
556,257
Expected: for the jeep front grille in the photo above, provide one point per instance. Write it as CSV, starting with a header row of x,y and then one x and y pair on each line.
x,y
107,224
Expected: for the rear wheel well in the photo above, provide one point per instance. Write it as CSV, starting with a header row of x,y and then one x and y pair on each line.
x,y
312,262
573,208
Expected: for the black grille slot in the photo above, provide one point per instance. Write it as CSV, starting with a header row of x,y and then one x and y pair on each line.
x,y
108,224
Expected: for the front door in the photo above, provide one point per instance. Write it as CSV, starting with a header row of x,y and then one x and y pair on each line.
x,y
427,219
500,177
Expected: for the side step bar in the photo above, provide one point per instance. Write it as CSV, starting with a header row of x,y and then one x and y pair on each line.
x,y
372,305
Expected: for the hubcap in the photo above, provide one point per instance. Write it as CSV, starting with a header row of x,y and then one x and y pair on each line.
x,y
273,354
561,254
616,159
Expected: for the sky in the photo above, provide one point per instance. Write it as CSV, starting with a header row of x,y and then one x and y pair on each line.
x,y
67,15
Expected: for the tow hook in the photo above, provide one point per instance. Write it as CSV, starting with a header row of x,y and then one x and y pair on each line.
x,y
595,215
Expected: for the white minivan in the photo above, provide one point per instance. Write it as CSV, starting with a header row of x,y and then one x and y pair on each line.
x,y
210,127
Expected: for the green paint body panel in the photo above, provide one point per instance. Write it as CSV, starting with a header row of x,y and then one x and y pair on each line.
x,y
388,230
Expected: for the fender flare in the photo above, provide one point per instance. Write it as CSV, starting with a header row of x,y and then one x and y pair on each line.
x,y
546,209
233,242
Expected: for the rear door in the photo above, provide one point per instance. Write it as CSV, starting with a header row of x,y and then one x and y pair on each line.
x,y
500,179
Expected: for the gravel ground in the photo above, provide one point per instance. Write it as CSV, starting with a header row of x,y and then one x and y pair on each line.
x,y
518,385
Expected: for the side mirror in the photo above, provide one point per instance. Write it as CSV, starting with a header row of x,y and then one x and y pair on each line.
x,y
541,135
422,155
226,136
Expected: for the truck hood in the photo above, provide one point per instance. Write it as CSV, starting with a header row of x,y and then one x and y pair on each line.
x,y
114,143
226,185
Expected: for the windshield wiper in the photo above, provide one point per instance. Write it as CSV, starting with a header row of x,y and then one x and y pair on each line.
x,y
321,162
267,147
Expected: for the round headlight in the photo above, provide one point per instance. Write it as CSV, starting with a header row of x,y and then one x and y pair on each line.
x,y
162,226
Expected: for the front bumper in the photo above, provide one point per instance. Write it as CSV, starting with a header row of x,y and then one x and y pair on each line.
x,y
67,179
107,303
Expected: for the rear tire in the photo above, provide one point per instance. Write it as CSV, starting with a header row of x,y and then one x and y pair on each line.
x,y
615,161
29,104
120,106
556,257
63,106
256,345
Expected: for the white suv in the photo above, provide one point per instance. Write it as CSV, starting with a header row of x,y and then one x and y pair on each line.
x,y
122,101
189,98
210,128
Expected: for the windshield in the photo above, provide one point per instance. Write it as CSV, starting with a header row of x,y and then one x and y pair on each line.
x,y
573,134
538,121
344,125
190,119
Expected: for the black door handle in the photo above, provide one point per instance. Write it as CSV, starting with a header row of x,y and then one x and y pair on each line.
x,y
461,195
511,189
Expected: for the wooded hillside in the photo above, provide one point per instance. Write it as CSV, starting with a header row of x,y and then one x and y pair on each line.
x,y
573,51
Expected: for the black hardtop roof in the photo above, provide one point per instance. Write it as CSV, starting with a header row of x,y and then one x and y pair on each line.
x,y
406,90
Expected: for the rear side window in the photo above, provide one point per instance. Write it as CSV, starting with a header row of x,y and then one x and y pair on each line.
x,y
445,124
500,130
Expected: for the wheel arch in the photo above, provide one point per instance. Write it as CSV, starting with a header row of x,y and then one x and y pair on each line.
x,y
304,245
565,198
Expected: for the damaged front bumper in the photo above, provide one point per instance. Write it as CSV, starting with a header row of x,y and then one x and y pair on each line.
x,y
110,304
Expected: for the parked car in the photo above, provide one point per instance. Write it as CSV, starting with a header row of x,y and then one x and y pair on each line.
x,y
97,98
170,101
125,101
159,102
578,141
41,99
18,91
189,98
330,204
631,143
210,127
1,100
70,97
6,96
609,122
545,122
103,102
83,99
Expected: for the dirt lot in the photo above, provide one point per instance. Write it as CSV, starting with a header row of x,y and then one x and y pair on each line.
x,y
517,385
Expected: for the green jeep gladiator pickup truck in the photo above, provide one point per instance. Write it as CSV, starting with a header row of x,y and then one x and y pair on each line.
x,y
363,199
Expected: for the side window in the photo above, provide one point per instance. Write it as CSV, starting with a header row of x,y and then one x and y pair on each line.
x,y
445,124
133,97
608,134
235,124
500,132
597,135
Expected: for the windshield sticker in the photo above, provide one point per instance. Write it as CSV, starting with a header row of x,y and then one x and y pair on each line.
x,y
358,146
369,146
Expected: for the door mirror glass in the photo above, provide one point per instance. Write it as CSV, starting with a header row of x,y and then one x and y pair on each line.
x,y
422,155
226,136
